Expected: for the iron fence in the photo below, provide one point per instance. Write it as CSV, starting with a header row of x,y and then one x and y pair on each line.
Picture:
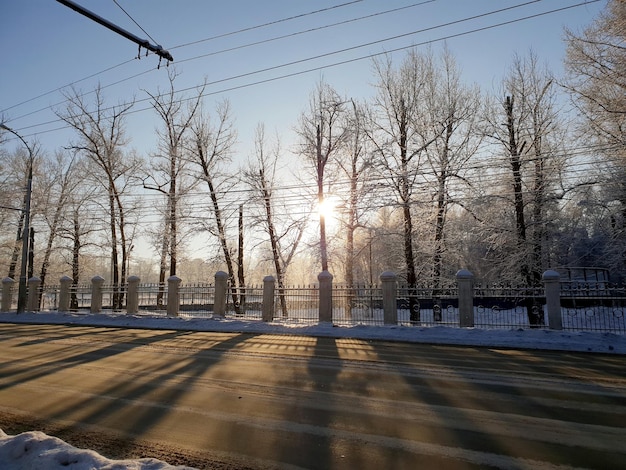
x,y
357,305
500,306
585,306
593,306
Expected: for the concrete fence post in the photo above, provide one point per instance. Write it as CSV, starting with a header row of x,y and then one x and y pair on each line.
x,y
269,286
32,304
552,287
221,293
7,293
132,298
465,284
64,294
389,287
173,296
326,297
96,294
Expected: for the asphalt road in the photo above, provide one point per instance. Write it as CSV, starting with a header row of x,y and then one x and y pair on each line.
x,y
230,400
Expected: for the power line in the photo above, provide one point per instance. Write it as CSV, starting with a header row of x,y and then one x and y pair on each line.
x,y
133,20
231,33
251,28
343,62
276,38
306,31
61,88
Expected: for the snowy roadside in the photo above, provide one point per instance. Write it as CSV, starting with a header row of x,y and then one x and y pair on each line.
x,y
38,451
554,340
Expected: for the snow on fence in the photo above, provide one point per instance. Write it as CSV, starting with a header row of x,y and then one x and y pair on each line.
x,y
588,306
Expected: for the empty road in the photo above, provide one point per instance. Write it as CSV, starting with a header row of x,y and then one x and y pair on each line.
x,y
232,400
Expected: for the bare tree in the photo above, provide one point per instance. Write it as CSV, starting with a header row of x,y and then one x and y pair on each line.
x,y
16,168
210,149
322,133
63,181
101,138
453,106
77,229
168,165
596,80
356,165
285,231
401,134
596,65
529,138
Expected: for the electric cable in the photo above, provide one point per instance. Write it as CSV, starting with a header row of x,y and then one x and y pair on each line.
x,y
137,24
175,47
325,66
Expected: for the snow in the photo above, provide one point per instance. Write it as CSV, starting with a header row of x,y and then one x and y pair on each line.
x,y
36,450
559,340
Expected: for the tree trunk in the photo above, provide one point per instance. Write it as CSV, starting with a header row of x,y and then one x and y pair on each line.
x,y
115,273
240,271
222,237
163,267
75,260
17,246
321,163
273,241
173,216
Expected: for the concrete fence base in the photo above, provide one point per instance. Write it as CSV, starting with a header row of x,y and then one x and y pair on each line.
x,y
389,291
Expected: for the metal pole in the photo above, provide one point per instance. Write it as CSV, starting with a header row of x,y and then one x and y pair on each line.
x,y
158,50
22,295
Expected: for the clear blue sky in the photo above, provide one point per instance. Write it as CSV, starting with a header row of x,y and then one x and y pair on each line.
x,y
47,45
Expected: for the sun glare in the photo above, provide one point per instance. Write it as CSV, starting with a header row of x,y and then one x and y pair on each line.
x,y
326,208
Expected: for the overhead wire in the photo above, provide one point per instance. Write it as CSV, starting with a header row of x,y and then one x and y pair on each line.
x,y
270,23
286,201
339,63
231,33
137,24
306,31
221,51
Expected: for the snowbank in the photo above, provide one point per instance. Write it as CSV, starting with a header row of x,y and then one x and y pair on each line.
x,y
38,451
516,338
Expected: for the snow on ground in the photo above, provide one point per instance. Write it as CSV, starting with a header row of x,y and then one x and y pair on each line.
x,y
37,451
565,340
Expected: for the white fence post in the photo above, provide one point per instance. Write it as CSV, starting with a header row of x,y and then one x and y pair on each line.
x,y
33,294
96,294
465,284
132,297
7,293
326,296
173,296
64,294
552,287
390,303
269,286
221,293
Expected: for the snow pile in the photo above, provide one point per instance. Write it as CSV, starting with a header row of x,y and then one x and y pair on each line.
x,y
38,451
563,340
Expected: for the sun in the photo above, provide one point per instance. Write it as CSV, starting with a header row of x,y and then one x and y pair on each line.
x,y
326,208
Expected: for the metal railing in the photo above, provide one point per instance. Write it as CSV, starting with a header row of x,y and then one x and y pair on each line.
x,y
596,306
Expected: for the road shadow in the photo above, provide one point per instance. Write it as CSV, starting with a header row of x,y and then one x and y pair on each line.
x,y
140,397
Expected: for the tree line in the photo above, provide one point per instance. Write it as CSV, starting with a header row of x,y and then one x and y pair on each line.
x,y
430,175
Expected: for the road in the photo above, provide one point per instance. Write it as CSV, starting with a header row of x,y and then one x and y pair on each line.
x,y
231,400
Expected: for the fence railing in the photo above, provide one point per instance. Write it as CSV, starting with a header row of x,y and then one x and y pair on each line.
x,y
556,305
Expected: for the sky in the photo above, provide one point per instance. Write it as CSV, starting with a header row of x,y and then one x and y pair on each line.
x,y
52,453
265,58
48,46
